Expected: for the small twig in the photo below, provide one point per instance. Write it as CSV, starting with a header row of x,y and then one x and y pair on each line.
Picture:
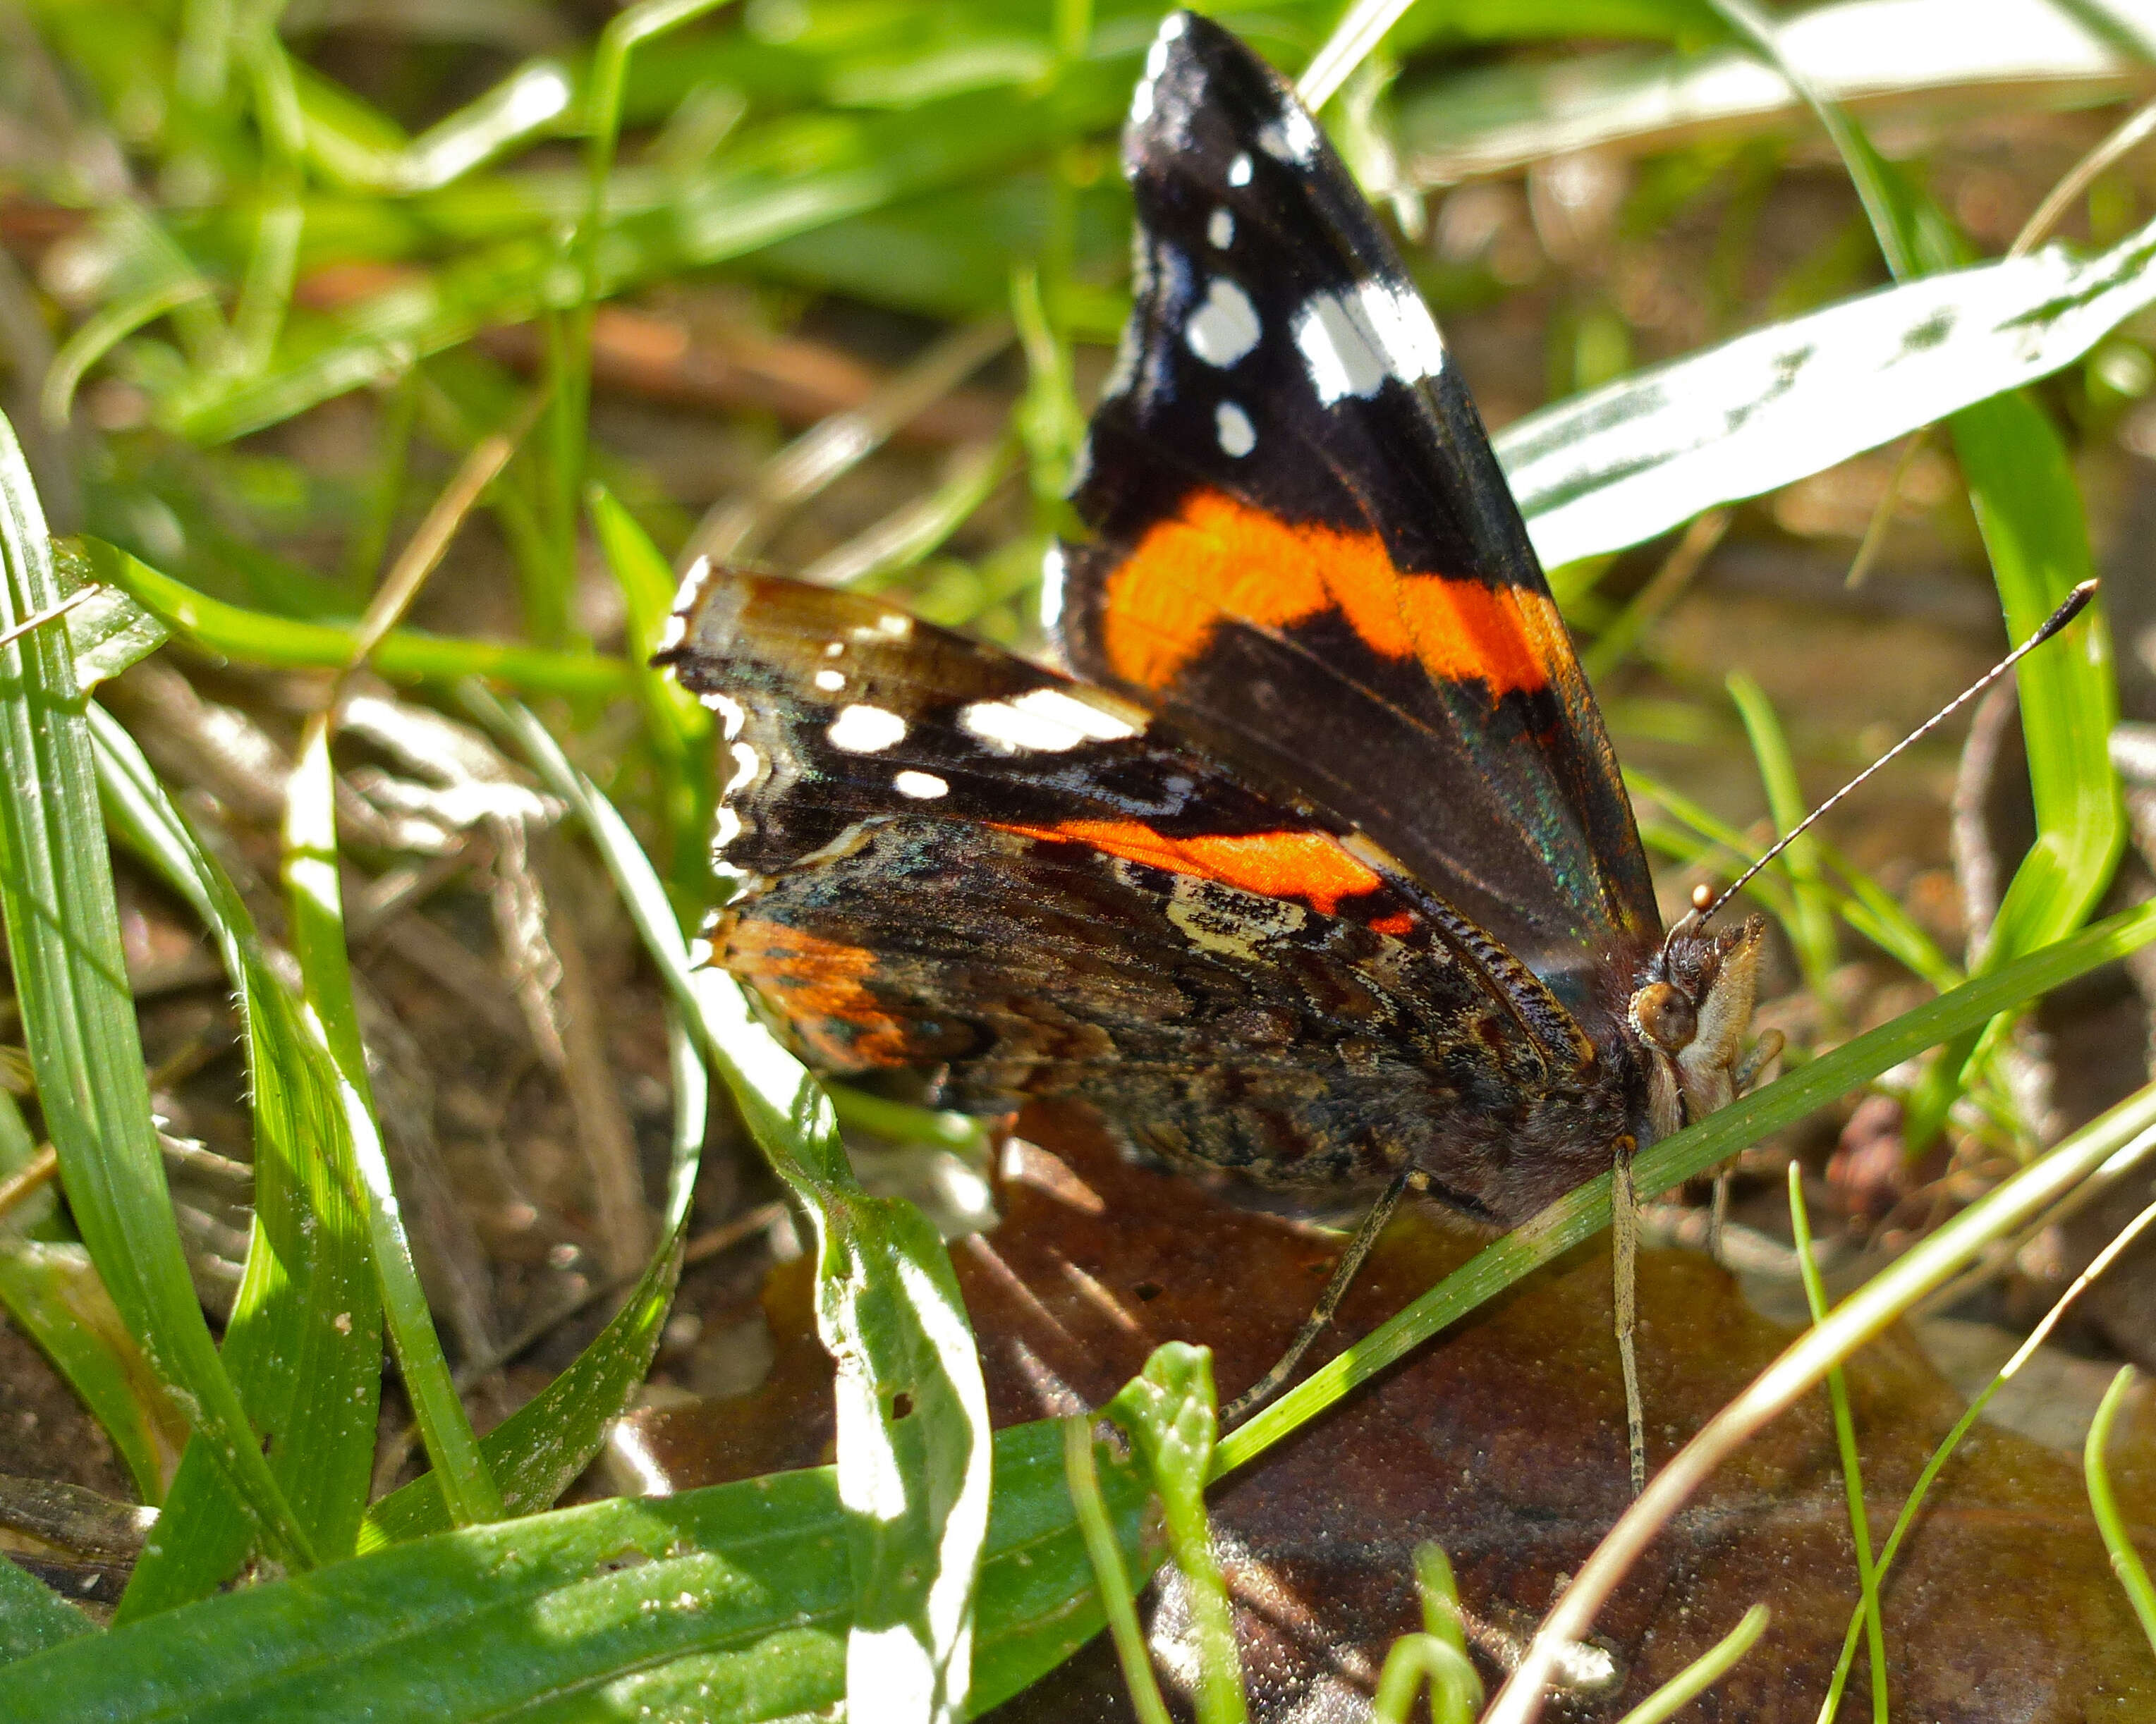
x,y
728,1234
2131,131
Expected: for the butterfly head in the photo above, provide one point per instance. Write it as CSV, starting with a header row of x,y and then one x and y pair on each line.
x,y
1691,1010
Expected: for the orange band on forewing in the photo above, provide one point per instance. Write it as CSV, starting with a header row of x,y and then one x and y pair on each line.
x,y
1219,560
1280,864
817,982
1398,924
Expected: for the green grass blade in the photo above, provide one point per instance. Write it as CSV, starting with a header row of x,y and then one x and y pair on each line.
x,y
911,1403
1111,1579
1168,1410
1666,1701
64,942
32,1616
1844,1437
2028,508
303,1341
1810,925
2103,1503
359,149
537,1452
721,1605
54,1292
1619,465
401,655
1585,1211
790,176
679,728
1864,906
316,900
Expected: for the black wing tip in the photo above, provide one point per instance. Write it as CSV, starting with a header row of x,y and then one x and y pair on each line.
x,y
1194,64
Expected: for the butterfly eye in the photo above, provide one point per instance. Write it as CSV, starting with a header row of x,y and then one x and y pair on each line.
x,y
1664,1017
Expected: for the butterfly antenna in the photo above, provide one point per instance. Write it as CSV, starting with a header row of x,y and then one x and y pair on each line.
x,y
1705,902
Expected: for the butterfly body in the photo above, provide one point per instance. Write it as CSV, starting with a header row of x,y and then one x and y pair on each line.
x,y
1320,870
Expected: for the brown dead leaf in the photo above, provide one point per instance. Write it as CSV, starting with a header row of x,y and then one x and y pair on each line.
x,y
1503,1442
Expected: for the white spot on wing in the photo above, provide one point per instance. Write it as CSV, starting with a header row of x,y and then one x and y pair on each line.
x,y
1225,327
1238,435
730,714
1292,138
1352,341
891,625
833,649
922,787
1044,721
1239,170
1055,565
865,729
746,764
685,600
830,682
1220,228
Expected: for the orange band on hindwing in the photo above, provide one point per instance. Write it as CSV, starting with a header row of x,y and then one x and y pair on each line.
x,y
1310,866
819,985
1219,560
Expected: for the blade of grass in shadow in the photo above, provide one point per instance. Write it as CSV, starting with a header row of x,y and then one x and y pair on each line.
x,y
1844,1437
401,655
911,1406
2103,1503
1810,926
1585,1211
537,1452
316,900
303,1341
52,1291
79,1018
32,1616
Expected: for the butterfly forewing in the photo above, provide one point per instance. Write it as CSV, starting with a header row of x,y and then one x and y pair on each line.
x,y
1302,546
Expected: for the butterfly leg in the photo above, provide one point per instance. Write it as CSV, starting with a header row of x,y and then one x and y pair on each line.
x,y
1343,1277
1624,1254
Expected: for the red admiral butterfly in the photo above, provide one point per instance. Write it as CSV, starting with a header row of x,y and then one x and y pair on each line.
x,y
1325,874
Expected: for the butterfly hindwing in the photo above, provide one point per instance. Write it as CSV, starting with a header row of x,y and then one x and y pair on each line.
x,y
1303,548
956,860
